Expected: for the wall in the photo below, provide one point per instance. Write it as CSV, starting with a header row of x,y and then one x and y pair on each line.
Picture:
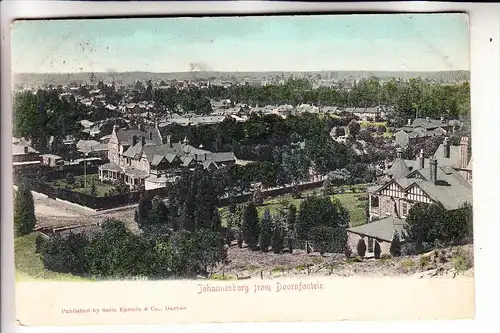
x,y
352,242
152,185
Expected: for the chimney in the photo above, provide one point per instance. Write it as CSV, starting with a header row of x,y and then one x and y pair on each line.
x,y
421,159
446,145
169,143
442,120
433,164
134,140
428,119
150,135
464,152
143,140
139,127
409,122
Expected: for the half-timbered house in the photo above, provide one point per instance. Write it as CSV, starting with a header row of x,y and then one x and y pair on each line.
x,y
142,160
390,203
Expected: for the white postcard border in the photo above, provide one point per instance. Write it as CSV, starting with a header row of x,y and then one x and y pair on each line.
x,y
485,37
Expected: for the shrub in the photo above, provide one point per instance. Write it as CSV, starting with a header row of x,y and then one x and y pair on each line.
x,y
462,260
385,256
408,264
395,248
40,241
347,251
361,248
70,178
409,249
424,261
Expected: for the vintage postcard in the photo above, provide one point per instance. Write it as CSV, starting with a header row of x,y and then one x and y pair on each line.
x,y
230,169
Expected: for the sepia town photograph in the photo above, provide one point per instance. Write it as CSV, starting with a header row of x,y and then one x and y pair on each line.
x,y
221,149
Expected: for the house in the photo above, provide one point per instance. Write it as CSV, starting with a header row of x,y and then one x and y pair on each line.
x,y
446,154
141,159
368,114
103,127
390,203
93,148
429,124
418,135
23,155
51,160
303,108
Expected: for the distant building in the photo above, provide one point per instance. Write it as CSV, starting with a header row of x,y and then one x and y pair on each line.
x,y
417,136
428,124
23,155
52,160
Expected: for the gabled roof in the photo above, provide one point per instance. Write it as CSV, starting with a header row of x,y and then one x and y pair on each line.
x,y
125,136
382,229
19,149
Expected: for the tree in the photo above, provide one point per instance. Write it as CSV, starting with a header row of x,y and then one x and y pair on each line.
x,y
361,248
425,223
210,251
159,213
395,248
315,211
377,250
266,231
93,191
329,239
354,128
277,238
250,226
143,211
24,211
257,197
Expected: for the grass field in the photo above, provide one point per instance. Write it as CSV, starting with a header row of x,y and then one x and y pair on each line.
x,y
349,200
29,265
101,188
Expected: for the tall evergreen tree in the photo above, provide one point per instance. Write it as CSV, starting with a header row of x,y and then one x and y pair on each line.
x,y
205,211
266,231
277,238
24,211
250,225
143,211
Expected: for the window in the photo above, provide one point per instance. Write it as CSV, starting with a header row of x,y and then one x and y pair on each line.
x,y
374,201
404,208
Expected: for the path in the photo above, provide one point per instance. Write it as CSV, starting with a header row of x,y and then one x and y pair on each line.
x,y
55,213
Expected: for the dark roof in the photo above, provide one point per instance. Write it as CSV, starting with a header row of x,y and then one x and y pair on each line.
x,y
398,169
125,136
136,173
431,123
451,189
382,229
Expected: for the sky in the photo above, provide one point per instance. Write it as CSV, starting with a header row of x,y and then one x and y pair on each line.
x,y
383,42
